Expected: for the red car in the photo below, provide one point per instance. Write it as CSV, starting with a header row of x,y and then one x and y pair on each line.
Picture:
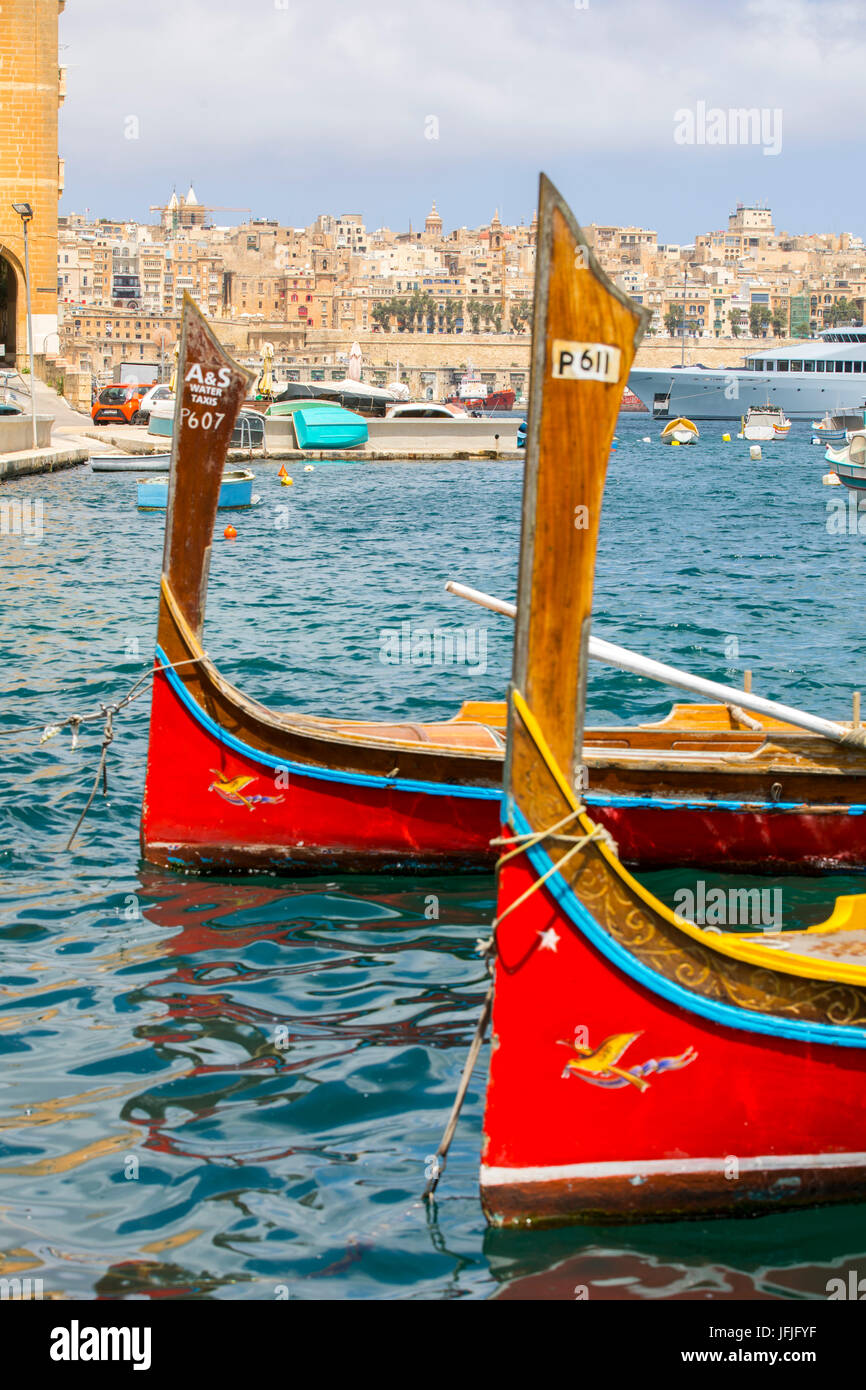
x,y
119,403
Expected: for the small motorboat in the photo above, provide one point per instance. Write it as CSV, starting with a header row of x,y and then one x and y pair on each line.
x,y
329,428
130,463
842,425
680,431
763,423
236,490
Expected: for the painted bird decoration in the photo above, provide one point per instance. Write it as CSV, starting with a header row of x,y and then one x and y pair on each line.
x,y
231,790
598,1065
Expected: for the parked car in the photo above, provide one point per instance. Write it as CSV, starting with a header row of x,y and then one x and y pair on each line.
x,y
161,392
424,410
118,404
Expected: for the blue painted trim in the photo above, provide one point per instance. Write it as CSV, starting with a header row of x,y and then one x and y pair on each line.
x,y
726,1014
669,803
322,774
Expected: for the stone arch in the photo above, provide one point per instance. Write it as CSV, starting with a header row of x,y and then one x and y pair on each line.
x,y
13,332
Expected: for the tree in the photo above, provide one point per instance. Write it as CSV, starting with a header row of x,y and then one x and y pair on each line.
x,y
381,313
737,318
759,317
675,319
475,315
844,311
779,321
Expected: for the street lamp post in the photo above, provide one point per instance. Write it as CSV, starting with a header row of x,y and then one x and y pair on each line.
x,y
25,212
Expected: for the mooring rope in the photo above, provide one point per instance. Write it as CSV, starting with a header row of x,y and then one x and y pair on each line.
x,y
106,713
518,844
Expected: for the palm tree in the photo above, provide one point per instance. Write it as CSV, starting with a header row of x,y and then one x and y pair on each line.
x,y
381,313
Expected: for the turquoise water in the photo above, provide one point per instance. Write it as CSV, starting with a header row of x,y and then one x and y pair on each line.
x,y
157,1131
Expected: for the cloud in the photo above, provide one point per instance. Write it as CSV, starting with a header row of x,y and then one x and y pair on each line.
x,y
284,108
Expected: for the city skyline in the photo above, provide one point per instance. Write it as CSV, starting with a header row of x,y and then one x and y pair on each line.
x,y
386,109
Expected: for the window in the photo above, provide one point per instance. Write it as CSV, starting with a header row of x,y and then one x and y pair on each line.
x,y
808,366
840,366
849,366
781,366
820,365
796,366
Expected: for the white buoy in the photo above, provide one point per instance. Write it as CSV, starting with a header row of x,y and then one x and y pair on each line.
x,y
755,451
646,439
832,480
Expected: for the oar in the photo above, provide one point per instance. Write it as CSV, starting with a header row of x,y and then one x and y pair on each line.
x,y
626,660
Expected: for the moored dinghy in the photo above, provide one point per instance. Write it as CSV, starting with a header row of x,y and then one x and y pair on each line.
x,y
236,490
680,431
633,1052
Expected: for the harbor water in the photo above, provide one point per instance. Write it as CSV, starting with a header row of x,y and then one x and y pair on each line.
x,y
229,1088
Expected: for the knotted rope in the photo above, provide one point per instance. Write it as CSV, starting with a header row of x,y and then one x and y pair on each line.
x,y
518,844
106,713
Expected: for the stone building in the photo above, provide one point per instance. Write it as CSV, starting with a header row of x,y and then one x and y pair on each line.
x,y
32,86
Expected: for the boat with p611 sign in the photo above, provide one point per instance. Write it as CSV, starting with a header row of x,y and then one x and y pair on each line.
x,y
712,784
642,1067
805,379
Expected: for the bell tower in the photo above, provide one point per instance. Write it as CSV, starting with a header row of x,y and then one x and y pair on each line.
x,y
32,86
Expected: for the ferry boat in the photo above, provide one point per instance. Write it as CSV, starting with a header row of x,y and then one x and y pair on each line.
x,y
472,394
805,379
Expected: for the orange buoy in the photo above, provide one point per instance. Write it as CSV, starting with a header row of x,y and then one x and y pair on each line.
x,y
284,472
230,533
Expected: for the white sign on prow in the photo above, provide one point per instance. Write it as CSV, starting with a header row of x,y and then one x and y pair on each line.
x,y
585,361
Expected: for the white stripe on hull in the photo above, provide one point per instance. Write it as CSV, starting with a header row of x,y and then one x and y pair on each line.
x,y
665,1167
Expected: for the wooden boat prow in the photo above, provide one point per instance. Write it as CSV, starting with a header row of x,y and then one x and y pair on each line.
x,y
643,1065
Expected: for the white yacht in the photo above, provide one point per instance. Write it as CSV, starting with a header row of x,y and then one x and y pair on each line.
x,y
806,380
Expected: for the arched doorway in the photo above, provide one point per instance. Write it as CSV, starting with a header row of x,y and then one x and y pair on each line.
x,y
8,312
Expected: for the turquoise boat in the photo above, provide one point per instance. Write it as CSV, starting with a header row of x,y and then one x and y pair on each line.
x,y
329,427
236,490
302,403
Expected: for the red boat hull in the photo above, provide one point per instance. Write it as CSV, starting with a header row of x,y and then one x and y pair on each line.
x,y
290,819
318,821
791,1132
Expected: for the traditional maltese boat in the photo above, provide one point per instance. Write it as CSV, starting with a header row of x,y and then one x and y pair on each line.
x,y
642,1066
232,785
680,431
849,462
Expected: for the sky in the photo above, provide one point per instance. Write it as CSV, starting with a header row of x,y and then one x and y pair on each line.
x,y
289,108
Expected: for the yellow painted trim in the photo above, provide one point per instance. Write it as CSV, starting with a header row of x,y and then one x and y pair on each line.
x,y
848,913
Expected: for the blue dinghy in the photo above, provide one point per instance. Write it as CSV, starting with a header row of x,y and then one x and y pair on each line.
x,y
236,490
329,427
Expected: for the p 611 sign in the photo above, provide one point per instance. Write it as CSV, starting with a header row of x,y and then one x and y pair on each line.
x,y
585,361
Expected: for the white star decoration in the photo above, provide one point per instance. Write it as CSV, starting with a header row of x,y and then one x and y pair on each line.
x,y
549,940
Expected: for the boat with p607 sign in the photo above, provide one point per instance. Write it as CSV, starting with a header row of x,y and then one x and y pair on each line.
x,y
642,1066
806,380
